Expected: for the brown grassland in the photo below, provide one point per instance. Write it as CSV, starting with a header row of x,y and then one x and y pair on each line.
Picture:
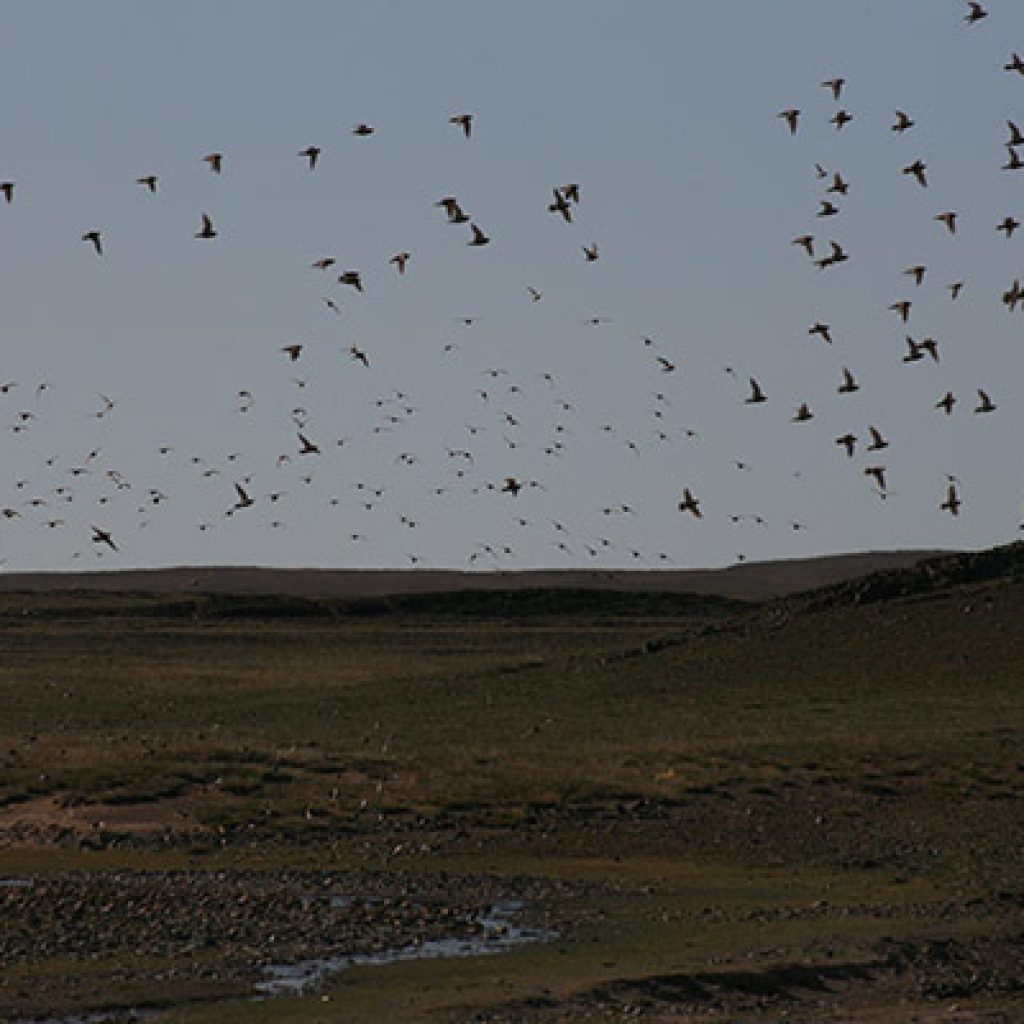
x,y
803,808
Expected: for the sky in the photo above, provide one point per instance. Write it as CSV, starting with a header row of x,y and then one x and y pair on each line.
x,y
145,393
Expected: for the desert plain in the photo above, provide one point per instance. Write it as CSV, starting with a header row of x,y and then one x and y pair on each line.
x,y
790,792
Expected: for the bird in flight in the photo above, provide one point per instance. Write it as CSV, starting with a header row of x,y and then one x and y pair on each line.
x,y
878,472
311,153
561,205
849,442
456,215
479,238
756,394
465,121
841,118
207,230
849,385
1015,64
103,537
877,441
292,351
791,117
986,403
835,85
903,122
215,161
917,273
952,503
400,259
949,219
802,414
917,169
149,181
94,237
353,278
362,129
946,403
590,252
902,308
976,12
806,242
690,504
822,330
244,499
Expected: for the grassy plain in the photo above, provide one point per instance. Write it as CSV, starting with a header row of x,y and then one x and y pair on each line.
x,y
728,811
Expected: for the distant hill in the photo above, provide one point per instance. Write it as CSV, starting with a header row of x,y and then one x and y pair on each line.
x,y
750,581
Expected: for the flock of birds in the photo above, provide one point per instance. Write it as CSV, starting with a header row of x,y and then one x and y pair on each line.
x,y
489,427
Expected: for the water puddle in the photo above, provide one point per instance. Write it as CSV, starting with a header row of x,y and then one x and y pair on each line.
x,y
498,935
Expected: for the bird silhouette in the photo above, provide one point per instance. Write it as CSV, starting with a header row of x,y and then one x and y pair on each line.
x,y
975,13
96,239
791,116
479,238
756,394
207,230
690,504
464,121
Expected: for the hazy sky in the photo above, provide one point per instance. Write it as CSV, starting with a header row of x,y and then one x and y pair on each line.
x,y
665,114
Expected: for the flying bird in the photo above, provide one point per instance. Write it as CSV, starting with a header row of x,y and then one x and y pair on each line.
x,y
362,129
878,472
400,259
207,230
902,308
917,169
802,414
456,215
946,403
690,504
841,118
561,205
949,219
806,242
479,238
903,122
1008,225
952,503
94,237
590,252
822,330
756,394
353,278
465,121
215,161
877,441
835,85
149,181
976,12
849,442
1015,64
103,537
311,153
849,385
986,403
791,117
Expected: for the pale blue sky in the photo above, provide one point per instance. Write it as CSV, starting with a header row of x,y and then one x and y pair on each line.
x,y
665,114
